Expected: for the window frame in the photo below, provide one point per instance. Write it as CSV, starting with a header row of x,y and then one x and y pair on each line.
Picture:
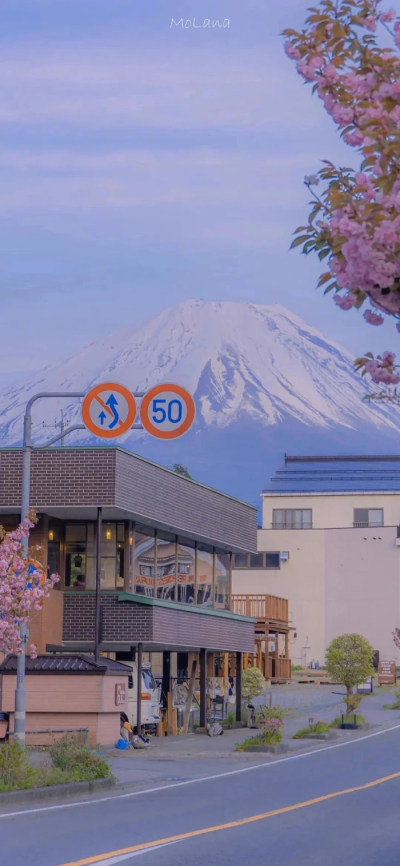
x,y
292,524
264,566
358,524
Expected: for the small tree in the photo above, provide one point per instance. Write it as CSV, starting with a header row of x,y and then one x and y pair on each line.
x,y
253,683
349,660
181,470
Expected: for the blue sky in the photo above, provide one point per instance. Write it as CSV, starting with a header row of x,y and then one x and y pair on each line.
x,y
141,165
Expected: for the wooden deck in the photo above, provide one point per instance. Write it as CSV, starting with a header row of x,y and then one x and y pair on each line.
x,y
272,621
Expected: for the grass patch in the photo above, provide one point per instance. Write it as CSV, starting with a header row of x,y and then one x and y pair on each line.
x,y
395,706
348,720
318,728
72,762
257,741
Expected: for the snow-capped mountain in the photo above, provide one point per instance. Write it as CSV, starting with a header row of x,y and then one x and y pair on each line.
x,y
257,369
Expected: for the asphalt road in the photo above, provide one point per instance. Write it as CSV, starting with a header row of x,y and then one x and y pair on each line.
x,y
359,828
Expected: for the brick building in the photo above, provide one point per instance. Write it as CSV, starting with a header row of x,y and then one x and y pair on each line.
x,y
167,546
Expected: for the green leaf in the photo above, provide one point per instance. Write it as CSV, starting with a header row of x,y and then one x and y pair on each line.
x,y
324,278
298,241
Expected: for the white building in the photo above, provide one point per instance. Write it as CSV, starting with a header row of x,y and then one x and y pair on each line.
x,y
329,543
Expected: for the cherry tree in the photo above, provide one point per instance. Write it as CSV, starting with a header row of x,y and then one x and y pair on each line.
x,y
24,584
354,222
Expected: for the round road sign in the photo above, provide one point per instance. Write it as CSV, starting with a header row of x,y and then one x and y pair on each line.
x,y
167,411
109,410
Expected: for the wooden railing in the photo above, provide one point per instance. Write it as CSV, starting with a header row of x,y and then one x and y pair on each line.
x,y
261,607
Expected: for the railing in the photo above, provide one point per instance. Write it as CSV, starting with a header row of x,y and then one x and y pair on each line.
x,y
288,524
367,524
261,607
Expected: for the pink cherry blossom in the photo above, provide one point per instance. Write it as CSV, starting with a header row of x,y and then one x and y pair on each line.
x,y
373,318
292,51
388,16
20,590
356,218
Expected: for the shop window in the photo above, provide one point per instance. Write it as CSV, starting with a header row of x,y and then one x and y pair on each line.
x,y
166,561
204,578
144,564
222,581
186,572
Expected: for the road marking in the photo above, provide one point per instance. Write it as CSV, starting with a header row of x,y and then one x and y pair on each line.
x,y
98,859
94,801
113,861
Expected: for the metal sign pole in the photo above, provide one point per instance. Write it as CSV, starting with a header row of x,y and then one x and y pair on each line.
x,y
20,692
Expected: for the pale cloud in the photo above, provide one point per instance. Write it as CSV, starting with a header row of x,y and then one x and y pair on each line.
x,y
59,180
190,89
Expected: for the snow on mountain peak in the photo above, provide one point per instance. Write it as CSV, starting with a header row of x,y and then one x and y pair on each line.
x,y
238,359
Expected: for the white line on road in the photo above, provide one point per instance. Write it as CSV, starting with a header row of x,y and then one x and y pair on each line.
x,y
113,861
265,765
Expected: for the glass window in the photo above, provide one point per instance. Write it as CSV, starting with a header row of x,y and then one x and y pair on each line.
x,y
222,581
272,560
368,517
144,564
204,578
288,518
166,569
241,560
186,573
75,565
256,560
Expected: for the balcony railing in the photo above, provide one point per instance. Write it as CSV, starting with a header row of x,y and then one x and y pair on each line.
x,y
288,524
261,607
367,524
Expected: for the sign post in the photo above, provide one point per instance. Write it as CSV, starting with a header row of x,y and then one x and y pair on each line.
x,y
108,411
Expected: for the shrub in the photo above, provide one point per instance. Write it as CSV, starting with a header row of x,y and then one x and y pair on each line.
x,y
77,760
253,683
318,728
348,719
270,730
15,770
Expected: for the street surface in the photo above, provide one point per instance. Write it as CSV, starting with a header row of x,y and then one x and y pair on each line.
x,y
359,828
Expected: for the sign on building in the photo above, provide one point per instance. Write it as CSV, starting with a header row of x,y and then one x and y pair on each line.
x,y
120,694
387,674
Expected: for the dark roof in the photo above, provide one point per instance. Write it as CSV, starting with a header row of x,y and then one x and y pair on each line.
x,y
66,664
358,474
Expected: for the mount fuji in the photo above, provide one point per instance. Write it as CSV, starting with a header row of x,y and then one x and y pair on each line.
x,y
264,383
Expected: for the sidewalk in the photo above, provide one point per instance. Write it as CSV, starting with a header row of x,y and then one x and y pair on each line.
x,y
171,759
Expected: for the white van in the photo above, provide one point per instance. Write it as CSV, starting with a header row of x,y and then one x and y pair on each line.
x,y
151,706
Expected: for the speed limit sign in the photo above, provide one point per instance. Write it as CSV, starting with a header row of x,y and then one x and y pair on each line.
x,y
167,411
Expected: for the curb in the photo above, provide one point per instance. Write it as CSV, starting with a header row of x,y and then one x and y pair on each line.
x,y
55,792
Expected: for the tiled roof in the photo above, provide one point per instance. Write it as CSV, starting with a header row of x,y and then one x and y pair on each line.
x,y
71,664
337,475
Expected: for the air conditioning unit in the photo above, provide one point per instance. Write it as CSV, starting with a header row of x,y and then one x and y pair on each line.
x,y
284,556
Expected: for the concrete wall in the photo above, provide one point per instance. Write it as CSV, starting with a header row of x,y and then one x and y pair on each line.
x,y
336,581
67,701
333,510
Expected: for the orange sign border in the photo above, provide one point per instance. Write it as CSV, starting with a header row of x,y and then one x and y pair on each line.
x,y
190,415
92,394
